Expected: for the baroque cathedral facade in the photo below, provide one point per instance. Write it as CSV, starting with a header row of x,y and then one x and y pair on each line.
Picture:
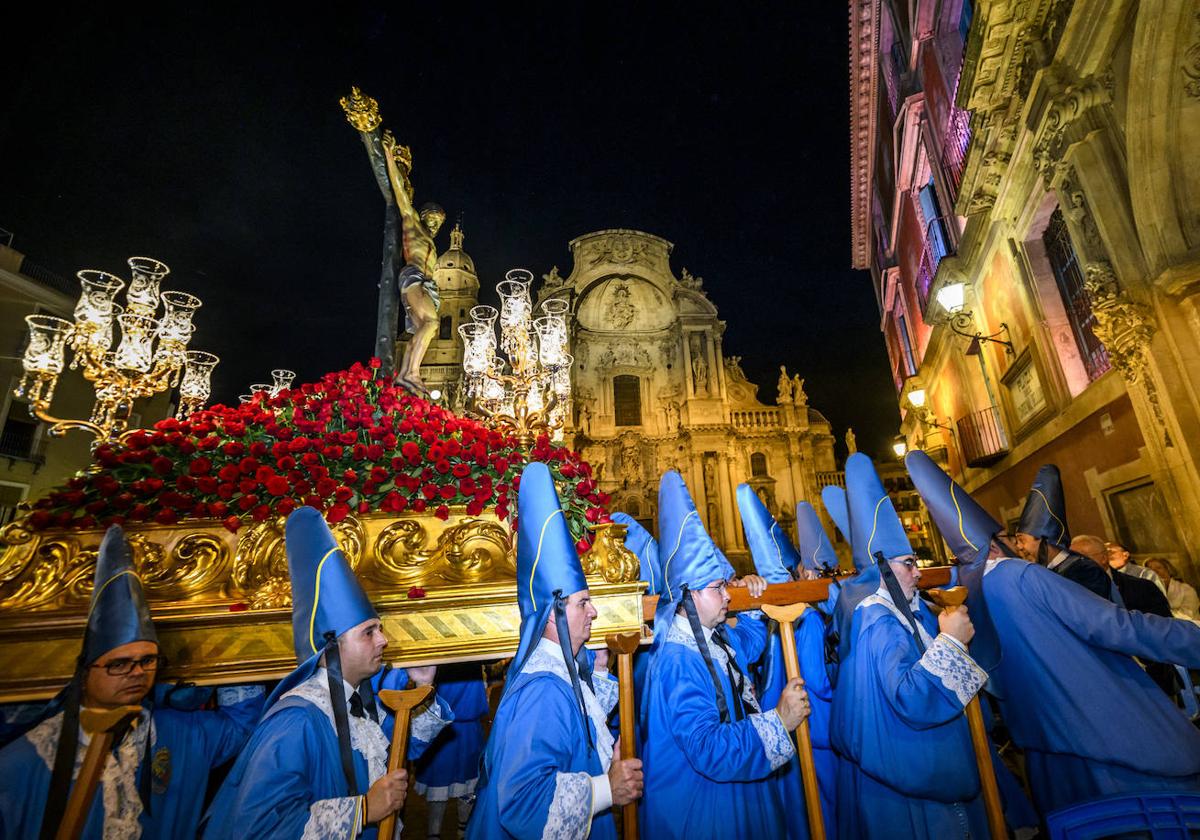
x,y
653,389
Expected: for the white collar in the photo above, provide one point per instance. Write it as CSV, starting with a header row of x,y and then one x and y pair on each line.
x,y
323,674
914,603
681,621
1058,559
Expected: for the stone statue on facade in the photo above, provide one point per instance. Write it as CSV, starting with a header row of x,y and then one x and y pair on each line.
x,y
553,280
785,386
798,395
851,441
418,291
621,312
690,282
699,367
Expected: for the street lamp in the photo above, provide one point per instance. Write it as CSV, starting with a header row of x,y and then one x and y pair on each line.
x,y
900,446
951,298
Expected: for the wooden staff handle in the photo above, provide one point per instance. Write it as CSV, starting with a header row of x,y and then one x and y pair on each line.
x,y
787,616
101,726
401,703
625,644
950,600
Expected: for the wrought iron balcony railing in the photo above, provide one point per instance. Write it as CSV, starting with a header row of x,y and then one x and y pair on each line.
x,y
982,437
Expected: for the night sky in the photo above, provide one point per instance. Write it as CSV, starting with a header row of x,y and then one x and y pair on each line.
x,y
212,139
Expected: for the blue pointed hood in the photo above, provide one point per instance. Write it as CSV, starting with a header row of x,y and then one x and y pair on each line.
x,y
118,613
816,552
774,555
547,562
967,528
838,508
640,542
690,557
876,526
326,595
1045,513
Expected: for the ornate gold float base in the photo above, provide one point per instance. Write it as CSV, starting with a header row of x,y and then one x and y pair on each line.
x,y
221,602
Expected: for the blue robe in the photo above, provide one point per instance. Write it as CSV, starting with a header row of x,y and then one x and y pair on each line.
x,y
907,768
1091,722
449,769
705,778
538,764
187,746
810,650
291,770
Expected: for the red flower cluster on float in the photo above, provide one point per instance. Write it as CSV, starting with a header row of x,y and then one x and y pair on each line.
x,y
353,442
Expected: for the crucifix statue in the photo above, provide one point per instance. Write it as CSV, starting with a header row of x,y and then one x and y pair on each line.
x,y
408,233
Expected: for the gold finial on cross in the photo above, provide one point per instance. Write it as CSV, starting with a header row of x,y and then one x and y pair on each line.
x,y
362,111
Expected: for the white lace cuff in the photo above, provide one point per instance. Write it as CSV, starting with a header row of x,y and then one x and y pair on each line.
x,y
570,814
427,725
954,668
231,695
776,741
333,819
607,691
601,793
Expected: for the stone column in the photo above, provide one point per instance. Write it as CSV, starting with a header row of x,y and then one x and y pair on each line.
x,y
732,521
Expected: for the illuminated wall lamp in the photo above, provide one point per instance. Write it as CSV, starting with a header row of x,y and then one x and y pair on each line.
x,y
952,298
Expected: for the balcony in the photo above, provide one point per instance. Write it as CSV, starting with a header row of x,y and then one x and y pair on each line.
x,y
831,478
937,246
982,437
758,419
954,146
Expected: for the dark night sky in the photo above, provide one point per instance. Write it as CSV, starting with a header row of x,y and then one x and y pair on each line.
x,y
213,140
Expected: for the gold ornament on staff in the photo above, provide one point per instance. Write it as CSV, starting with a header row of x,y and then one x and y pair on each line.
x,y
531,398
150,354
362,111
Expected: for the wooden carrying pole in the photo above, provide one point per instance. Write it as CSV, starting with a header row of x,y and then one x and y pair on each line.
x,y
625,644
101,726
952,599
786,616
401,703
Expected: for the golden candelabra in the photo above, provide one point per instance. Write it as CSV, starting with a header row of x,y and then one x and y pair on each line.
x,y
531,398
150,354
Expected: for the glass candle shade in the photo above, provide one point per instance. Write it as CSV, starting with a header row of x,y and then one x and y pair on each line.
x,y
47,342
136,350
281,380
146,275
94,309
197,376
551,340
477,349
176,322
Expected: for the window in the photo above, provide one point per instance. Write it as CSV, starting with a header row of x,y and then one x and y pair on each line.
x,y
445,328
1068,274
906,346
11,495
935,223
627,400
758,464
18,436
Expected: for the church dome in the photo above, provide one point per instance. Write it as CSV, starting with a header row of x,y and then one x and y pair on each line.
x,y
455,257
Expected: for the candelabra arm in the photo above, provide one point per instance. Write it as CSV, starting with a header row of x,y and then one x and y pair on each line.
x,y
59,427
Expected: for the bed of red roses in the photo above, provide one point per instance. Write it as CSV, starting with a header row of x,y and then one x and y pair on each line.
x,y
349,443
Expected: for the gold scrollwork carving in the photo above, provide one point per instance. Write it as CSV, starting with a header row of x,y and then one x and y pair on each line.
x,y
55,573
195,564
399,554
475,550
608,557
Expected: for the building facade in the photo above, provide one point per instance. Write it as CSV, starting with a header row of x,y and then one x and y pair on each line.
x,y
654,390
1022,199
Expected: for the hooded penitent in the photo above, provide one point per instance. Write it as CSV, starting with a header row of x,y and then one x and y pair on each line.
x,y
816,552
1045,513
774,555
548,573
877,529
968,529
640,542
327,600
118,615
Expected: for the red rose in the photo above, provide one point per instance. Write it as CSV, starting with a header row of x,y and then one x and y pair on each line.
x,y
374,363
442,512
374,452
248,501
585,487
350,477
263,474
337,513
233,449
442,466
284,506
277,485
582,546
248,465
206,484
419,505
501,465
166,516
474,507
229,472
448,491
429,491
326,486
411,452
567,470
217,509
232,523
162,465
592,514
153,485
461,470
